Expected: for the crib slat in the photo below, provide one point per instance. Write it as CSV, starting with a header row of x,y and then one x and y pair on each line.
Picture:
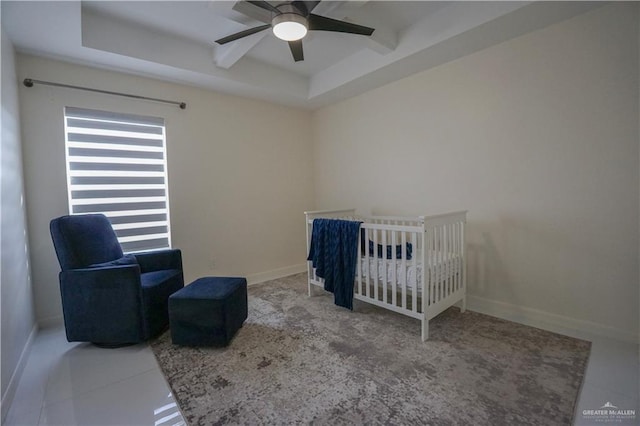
x,y
394,271
454,249
445,264
417,283
452,265
459,243
443,270
384,266
455,258
359,261
377,263
449,259
461,254
404,278
464,264
443,276
426,268
445,261
432,264
436,236
438,262
367,259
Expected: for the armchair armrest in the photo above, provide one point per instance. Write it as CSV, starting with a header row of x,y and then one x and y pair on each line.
x,y
158,260
103,304
122,281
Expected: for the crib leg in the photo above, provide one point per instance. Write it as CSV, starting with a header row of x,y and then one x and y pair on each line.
x,y
425,329
463,306
312,289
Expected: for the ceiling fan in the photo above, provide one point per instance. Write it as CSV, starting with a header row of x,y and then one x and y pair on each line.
x,y
290,22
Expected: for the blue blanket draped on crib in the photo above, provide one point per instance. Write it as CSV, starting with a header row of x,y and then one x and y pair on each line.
x,y
334,254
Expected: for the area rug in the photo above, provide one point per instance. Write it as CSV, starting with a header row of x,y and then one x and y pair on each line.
x,y
304,360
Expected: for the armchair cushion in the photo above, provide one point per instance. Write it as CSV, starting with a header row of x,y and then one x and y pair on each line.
x,y
127,259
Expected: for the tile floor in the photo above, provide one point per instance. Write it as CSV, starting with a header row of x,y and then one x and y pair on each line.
x,y
79,384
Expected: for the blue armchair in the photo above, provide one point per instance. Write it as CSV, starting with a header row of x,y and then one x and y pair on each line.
x,y
109,298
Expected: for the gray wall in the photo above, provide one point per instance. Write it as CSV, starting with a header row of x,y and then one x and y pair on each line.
x,y
17,315
538,138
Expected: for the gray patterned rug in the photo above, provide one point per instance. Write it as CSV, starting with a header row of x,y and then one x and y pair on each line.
x,y
305,360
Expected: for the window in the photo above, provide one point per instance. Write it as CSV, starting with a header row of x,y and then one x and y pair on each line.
x,y
116,165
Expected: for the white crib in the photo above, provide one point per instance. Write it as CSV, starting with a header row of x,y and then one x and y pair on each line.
x,y
422,286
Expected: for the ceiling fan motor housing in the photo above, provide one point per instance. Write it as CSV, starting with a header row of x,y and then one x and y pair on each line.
x,y
291,24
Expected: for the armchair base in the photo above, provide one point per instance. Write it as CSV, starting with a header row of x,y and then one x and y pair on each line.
x,y
112,345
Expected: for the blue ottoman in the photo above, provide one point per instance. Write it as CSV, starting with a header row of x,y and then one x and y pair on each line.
x,y
208,312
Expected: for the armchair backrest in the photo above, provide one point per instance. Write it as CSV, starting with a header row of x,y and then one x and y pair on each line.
x,y
83,240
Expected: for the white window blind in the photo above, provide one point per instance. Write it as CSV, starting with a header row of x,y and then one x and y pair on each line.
x,y
116,165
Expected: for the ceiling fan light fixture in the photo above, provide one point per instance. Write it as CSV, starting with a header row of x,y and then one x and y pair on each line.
x,y
289,26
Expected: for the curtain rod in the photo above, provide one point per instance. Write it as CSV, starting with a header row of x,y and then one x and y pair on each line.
x,y
30,82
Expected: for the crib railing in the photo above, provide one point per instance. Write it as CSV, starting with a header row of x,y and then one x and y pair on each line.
x,y
445,260
379,261
397,220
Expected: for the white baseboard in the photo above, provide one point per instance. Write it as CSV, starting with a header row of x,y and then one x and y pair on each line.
x,y
560,324
276,273
7,397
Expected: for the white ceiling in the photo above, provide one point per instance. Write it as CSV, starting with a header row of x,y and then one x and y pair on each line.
x,y
173,40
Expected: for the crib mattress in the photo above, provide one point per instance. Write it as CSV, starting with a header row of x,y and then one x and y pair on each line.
x,y
441,267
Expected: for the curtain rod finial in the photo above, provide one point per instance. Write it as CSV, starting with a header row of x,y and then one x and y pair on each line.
x,y
183,105
28,82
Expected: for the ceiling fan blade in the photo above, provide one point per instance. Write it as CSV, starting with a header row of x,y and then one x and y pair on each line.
x,y
266,6
241,34
296,50
311,5
322,23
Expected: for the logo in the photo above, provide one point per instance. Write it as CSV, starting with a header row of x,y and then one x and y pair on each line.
x,y
609,414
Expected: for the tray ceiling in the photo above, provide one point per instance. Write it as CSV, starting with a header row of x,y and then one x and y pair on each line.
x,y
173,40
